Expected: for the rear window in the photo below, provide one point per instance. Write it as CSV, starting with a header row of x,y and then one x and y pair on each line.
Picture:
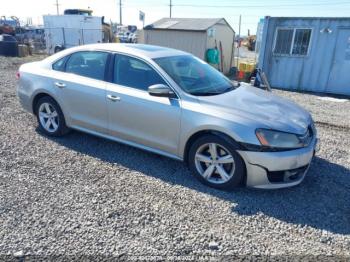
x,y
90,64
60,64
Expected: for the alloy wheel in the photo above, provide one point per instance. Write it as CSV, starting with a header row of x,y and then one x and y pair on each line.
x,y
48,117
214,163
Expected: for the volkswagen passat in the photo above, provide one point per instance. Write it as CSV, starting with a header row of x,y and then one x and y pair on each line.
x,y
171,103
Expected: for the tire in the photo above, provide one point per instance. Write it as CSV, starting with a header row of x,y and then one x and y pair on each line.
x,y
47,109
227,169
58,49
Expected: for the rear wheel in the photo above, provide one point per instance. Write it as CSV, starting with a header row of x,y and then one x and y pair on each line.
x,y
215,162
58,49
50,117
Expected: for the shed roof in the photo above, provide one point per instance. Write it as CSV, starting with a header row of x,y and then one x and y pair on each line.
x,y
187,24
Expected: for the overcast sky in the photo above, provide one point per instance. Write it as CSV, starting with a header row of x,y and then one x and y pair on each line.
x,y
251,10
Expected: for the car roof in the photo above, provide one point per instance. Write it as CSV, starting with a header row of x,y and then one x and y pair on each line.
x,y
141,50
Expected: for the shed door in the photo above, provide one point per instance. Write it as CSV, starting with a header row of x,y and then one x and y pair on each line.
x,y
339,79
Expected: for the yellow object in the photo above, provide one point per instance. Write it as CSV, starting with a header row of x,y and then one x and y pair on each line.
x,y
116,40
246,67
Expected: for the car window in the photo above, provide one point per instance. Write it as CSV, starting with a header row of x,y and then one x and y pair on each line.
x,y
90,64
132,72
59,65
195,76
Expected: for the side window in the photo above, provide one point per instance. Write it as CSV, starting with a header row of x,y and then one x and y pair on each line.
x,y
59,65
283,41
89,64
132,72
301,41
292,41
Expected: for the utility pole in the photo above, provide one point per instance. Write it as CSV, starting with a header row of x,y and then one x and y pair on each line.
x,y
120,12
239,38
170,5
57,7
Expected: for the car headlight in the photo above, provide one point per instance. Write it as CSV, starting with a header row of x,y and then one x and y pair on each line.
x,y
278,139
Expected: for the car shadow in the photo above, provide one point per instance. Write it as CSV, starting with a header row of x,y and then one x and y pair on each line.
x,y
322,201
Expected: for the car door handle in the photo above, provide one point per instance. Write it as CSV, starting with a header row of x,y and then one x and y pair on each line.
x,y
113,98
60,85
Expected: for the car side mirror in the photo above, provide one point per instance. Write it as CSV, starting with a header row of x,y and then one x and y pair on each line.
x,y
161,90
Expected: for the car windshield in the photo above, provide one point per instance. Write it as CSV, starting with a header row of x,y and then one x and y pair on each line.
x,y
195,76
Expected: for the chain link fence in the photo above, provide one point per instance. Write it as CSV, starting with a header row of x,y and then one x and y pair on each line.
x,y
50,40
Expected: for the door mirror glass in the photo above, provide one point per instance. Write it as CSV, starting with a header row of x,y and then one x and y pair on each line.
x,y
161,91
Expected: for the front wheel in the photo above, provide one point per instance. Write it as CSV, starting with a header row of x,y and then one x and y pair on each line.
x,y
215,162
50,117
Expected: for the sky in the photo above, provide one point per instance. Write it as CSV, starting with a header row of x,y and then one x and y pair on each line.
x,y
251,10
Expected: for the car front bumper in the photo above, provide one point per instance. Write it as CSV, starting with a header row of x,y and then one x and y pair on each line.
x,y
274,170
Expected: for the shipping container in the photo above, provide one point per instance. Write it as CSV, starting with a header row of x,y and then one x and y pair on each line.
x,y
307,53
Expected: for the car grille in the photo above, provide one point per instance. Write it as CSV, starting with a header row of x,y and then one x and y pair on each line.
x,y
286,175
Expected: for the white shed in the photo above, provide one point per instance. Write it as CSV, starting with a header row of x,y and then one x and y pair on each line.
x,y
193,35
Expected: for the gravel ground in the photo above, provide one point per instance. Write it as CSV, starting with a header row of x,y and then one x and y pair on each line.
x,y
81,195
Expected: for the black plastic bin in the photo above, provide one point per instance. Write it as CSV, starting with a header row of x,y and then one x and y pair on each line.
x,y
8,45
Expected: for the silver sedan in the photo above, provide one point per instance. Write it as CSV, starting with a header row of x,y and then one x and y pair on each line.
x,y
171,103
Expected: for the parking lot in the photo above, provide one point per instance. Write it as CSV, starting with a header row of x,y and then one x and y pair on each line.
x,y
82,195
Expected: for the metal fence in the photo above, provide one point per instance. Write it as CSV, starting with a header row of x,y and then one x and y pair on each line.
x,y
51,40
46,40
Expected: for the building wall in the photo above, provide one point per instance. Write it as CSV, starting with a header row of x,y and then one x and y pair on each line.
x,y
314,71
224,34
194,42
188,41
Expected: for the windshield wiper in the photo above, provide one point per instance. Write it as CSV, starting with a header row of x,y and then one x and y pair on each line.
x,y
231,88
205,93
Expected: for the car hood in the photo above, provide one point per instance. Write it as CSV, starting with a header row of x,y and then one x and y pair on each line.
x,y
261,106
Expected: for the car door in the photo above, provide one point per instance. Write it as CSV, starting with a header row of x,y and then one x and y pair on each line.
x,y
82,89
136,116
338,82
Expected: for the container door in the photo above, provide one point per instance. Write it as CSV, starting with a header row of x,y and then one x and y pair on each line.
x,y
339,79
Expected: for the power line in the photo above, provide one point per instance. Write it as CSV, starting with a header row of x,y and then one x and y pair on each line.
x,y
262,6
223,5
259,3
273,6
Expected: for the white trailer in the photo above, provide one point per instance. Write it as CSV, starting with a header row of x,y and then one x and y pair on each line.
x,y
64,31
